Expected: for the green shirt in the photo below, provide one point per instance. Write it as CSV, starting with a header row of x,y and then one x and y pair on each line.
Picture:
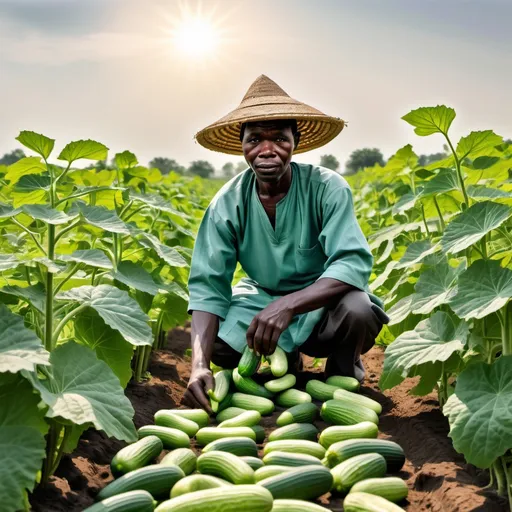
x,y
316,235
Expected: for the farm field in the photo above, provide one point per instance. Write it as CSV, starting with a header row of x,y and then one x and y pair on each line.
x,y
94,275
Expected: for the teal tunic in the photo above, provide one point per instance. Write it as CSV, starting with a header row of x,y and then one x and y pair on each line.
x,y
316,235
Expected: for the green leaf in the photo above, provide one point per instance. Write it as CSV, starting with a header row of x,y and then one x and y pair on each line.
x,y
158,203
483,288
34,295
405,203
41,144
116,308
135,276
22,446
416,253
433,340
125,160
480,411
23,167
47,214
444,181
33,183
20,348
102,218
436,286
472,224
53,266
109,345
92,257
8,262
88,149
477,144
484,162
7,211
483,192
404,158
169,254
429,120
401,310
82,389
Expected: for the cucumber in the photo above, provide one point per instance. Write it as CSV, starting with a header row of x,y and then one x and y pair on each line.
x,y
278,362
391,488
199,416
296,506
249,498
194,483
364,502
131,501
343,450
184,458
362,430
222,383
320,390
264,369
250,386
289,459
305,483
241,446
281,384
254,462
136,455
301,413
292,397
357,400
227,466
248,363
228,413
268,471
295,431
341,413
253,403
355,469
260,433
156,479
340,381
295,446
208,434
171,437
218,407
246,419
169,419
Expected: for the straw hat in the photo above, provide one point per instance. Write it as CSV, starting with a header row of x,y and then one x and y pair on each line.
x,y
265,101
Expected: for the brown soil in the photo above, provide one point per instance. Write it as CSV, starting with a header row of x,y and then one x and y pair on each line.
x,y
439,479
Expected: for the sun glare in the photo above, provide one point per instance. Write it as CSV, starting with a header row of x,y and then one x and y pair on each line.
x,y
196,37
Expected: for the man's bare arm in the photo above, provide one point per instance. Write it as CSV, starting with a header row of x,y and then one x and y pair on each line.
x,y
205,327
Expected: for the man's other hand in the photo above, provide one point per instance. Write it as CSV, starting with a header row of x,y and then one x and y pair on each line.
x,y
201,380
266,327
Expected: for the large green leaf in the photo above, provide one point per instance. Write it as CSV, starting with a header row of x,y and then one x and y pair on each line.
x,y
405,203
105,219
401,310
8,261
158,203
20,348
7,211
483,192
416,253
125,160
88,149
472,224
33,182
23,167
444,181
477,144
483,288
116,308
135,276
36,142
480,411
35,294
169,254
84,390
92,257
22,443
404,159
429,120
431,343
109,345
47,214
436,286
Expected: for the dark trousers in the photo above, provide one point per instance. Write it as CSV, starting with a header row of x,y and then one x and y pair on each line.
x,y
346,331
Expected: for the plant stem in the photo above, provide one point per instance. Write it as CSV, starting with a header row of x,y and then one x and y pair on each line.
x,y
140,361
80,194
65,320
69,227
484,247
508,480
135,212
51,444
48,333
73,271
424,220
441,219
31,234
58,456
125,208
500,477
147,356
506,328
459,173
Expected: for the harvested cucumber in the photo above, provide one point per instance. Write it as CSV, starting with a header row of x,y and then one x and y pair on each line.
x,y
228,413
241,446
199,416
260,433
253,403
226,466
348,383
281,384
208,434
136,455
357,400
278,362
355,469
268,471
295,446
184,458
246,419
131,501
249,386
364,502
254,462
341,413
391,488
249,362
363,430
290,459
166,418
296,506
194,483
222,381
292,397
171,437
295,431
320,390
301,413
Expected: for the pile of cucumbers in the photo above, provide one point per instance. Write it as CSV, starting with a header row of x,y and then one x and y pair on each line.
x,y
298,464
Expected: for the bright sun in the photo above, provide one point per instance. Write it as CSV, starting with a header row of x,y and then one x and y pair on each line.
x,y
196,37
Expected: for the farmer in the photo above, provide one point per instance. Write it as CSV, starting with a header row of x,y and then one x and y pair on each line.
x,y
293,230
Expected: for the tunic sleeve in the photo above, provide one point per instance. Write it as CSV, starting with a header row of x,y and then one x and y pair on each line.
x,y
213,264
349,258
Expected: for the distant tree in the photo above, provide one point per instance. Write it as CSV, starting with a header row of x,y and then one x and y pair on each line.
x,y
166,165
228,169
12,157
329,161
201,168
240,166
433,157
361,158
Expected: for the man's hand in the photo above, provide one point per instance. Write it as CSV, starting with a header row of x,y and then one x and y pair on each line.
x,y
266,327
201,380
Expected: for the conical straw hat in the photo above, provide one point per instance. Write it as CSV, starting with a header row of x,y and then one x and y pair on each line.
x,y
265,101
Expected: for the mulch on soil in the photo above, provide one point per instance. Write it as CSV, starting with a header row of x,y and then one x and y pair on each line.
x,y
439,479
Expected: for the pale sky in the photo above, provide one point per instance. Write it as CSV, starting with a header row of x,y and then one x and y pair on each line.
x,y
110,70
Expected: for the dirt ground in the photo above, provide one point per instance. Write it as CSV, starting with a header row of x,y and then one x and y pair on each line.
x,y
439,479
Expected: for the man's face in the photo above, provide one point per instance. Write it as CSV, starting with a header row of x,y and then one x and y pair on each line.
x,y
268,147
